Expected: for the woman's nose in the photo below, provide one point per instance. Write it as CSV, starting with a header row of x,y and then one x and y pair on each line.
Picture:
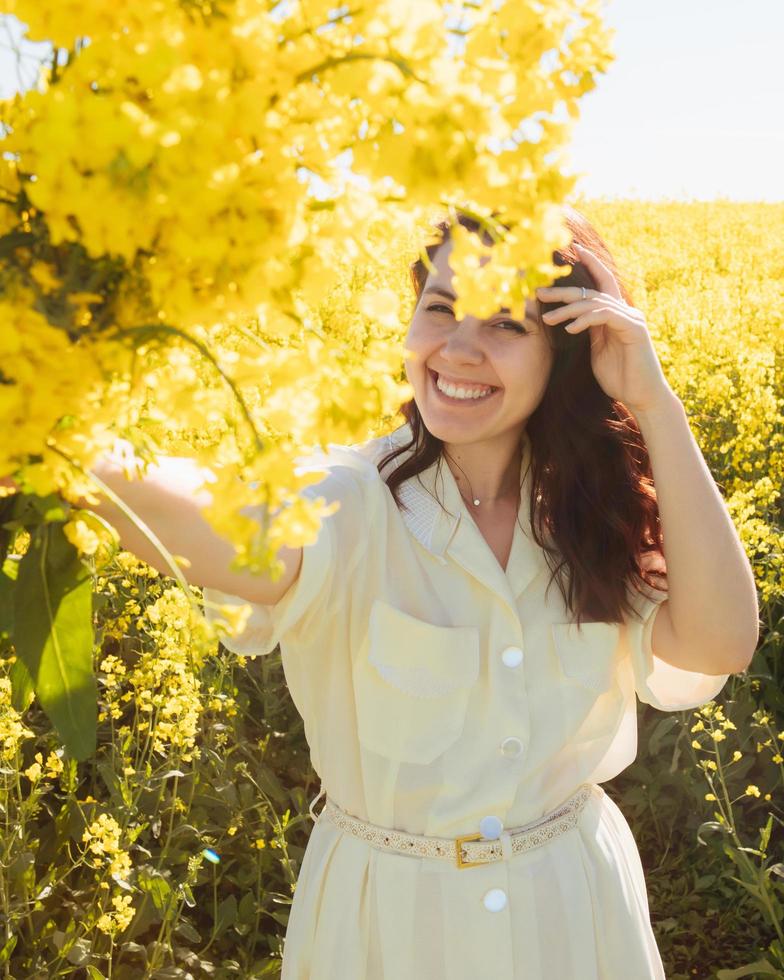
x,y
462,343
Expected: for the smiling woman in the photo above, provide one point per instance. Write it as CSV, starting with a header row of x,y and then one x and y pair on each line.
x,y
478,384
470,715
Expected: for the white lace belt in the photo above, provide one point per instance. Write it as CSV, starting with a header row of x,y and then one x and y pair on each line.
x,y
470,849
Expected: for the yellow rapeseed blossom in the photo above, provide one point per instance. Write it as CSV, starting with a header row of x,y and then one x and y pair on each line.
x,y
164,684
51,768
119,917
167,327
33,772
752,791
12,731
103,838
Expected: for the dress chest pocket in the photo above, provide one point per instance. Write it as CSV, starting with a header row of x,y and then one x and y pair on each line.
x,y
413,686
587,657
590,699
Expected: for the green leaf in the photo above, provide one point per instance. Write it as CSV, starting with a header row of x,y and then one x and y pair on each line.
x,y
186,930
662,728
765,834
750,888
21,681
7,588
762,967
53,636
8,948
710,825
157,887
226,915
185,892
22,692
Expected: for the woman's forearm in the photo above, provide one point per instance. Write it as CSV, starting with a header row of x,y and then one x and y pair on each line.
x,y
167,500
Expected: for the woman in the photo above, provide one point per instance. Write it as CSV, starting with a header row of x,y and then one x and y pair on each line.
x,y
460,713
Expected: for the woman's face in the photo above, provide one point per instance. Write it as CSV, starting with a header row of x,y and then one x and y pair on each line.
x,y
504,362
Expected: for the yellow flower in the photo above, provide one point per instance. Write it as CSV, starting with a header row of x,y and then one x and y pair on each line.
x,y
736,755
33,772
752,791
81,537
12,731
260,843
709,796
103,838
119,918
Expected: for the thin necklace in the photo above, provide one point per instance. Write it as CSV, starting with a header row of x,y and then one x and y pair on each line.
x,y
475,499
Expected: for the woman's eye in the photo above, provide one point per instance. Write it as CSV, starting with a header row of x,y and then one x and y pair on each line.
x,y
513,324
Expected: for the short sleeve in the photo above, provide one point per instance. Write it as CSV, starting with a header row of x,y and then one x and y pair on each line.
x,y
321,585
657,682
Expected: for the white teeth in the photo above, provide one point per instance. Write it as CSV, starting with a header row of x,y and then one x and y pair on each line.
x,y
455,392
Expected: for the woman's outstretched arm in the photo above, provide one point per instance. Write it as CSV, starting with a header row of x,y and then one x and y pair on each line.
x,y
168,499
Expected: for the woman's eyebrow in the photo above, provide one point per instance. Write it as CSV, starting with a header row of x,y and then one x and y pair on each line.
x,y
440,291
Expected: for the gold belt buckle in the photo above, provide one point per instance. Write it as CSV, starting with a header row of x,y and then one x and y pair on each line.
x,y
460,840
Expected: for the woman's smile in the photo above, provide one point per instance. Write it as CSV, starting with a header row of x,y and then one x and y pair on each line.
x,y
458,393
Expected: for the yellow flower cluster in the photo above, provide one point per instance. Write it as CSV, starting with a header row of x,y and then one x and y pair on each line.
x,y
164,685
49,769
118,918
103,838
12,731
180,196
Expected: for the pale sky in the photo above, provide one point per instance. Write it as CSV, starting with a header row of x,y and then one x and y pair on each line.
x,y
691,108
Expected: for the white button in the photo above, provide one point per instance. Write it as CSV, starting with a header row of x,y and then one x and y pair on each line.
x,y
511,747
491,827
512,656
495,900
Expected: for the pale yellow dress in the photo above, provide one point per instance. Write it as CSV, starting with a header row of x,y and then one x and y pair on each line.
x,y
437,689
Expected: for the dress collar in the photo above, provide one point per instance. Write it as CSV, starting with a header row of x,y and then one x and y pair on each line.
x,y
449,531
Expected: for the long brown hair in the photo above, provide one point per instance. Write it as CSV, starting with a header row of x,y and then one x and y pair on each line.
x,y
592,492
